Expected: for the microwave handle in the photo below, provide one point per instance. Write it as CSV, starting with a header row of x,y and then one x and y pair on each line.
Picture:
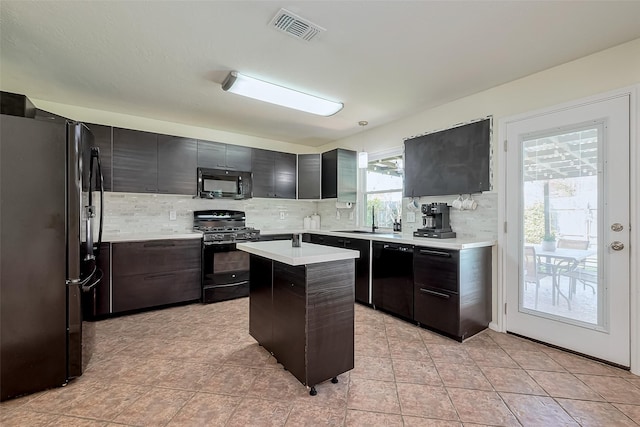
x,y
240,185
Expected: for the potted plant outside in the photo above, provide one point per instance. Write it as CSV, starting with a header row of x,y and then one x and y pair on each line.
x,y
549,243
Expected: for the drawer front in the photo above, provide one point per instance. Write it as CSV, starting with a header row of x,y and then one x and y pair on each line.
x,y
436,268
155,256
437,309
149,290
225,292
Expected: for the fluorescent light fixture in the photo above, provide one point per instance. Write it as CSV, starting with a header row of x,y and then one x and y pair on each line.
x,y
363,160
268,92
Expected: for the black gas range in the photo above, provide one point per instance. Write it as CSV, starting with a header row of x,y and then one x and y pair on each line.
x,y
225,270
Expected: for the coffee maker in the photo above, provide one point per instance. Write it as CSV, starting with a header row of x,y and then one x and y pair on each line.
x,y
435,219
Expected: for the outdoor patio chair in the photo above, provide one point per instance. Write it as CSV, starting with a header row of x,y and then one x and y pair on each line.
x,y
586,272
533,272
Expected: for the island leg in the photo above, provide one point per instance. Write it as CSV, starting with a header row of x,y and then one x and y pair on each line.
x,y
334,380
313,391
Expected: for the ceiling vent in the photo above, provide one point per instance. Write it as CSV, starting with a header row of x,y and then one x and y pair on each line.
x,y
295,26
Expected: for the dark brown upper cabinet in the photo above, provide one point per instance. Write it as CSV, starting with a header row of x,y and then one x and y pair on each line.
x,y
135,161
274,174
177,160
309,176
102,140
216,155
339,175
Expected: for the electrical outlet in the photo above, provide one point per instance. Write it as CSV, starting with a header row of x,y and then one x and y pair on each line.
x,y
337,214
351,214
281,214
411,217
172,215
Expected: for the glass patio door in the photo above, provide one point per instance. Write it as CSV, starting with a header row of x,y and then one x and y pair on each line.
x,y
568,269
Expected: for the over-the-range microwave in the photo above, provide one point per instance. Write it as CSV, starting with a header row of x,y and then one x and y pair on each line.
x,y
222,183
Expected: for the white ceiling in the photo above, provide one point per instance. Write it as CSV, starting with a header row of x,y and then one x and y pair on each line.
x,y
384,59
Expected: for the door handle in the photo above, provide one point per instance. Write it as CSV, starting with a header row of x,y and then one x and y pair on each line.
x,y
617,245
434,293
435,253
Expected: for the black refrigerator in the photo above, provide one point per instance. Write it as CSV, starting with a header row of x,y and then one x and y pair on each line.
x,y
48,175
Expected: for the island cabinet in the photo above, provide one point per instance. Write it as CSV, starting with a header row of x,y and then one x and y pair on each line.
x,y
302,310
154,273
452,290
304,316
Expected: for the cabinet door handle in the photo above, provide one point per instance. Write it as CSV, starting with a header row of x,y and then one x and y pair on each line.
x,y
158,276
227,285
435,253
159,244
434,293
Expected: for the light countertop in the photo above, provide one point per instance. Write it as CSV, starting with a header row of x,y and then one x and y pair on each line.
x,y
307,253
407,239
141,237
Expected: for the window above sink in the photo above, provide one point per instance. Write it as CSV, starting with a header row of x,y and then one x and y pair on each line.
x,y
383,183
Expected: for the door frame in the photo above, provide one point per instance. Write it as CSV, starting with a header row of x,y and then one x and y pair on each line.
x,y
500,322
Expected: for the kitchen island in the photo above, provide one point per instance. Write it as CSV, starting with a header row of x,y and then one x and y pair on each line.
x,y
301,303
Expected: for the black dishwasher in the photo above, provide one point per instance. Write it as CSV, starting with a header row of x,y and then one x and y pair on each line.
x,y
393,278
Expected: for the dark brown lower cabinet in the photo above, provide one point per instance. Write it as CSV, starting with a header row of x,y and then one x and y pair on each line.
x,y
304,316
155,273
452,290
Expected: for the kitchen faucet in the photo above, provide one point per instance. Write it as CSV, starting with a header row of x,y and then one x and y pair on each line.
x,y
373,220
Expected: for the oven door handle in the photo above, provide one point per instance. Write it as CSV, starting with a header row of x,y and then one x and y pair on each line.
x,y
227,285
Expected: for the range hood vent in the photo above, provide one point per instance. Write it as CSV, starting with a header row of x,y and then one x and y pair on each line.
x,y
295,26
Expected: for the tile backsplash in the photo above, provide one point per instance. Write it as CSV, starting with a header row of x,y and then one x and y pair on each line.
x,y
141,213
147,213
481,222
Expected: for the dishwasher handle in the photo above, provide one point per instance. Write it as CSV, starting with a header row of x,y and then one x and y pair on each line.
x,y
399,248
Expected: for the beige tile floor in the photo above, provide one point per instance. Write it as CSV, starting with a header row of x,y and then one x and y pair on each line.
x,y
196,365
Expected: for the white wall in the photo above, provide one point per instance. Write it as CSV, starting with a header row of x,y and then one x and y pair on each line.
x,y
610,69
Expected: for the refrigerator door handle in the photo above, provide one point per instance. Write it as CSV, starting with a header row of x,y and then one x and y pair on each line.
x,y
92,281
95,155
